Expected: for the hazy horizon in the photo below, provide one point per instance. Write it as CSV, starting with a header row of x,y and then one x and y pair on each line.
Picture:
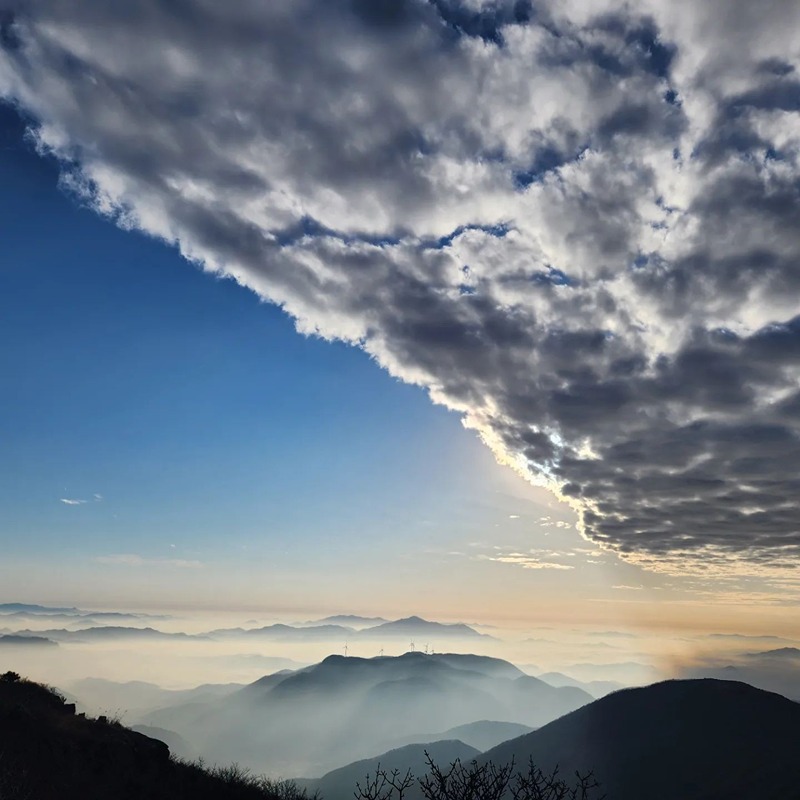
x,y
627,655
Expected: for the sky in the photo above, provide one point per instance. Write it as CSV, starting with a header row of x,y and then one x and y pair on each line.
x,y
467,309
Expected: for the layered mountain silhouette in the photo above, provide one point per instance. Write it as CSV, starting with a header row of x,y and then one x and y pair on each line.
x,y
108,633
27,613
12,640
339,784
87,627
349,621
677,740
776,670
482,735
790,653
352,628
309,721
420,628
288,633
594,688
131,698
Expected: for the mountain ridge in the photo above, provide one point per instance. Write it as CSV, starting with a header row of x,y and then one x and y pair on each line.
x,y
345,706
724,739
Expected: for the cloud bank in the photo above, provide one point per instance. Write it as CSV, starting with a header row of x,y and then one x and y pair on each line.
x,y
573,223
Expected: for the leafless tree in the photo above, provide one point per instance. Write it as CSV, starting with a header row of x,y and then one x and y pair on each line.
x,y
385,785
474,781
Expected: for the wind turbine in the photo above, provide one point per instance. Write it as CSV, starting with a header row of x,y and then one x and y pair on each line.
x,y
345,649
412,647
381,654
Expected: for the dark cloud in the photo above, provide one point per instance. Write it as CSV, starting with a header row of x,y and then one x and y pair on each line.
x,y
485,21
574,226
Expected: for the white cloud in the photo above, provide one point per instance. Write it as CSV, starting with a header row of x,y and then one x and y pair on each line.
x,y
70,501
526,561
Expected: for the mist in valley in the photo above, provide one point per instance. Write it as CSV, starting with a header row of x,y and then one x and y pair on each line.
x,y
300,698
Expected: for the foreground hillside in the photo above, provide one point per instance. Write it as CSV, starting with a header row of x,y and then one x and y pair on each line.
x,y
677,740
339,784
48,752
313,720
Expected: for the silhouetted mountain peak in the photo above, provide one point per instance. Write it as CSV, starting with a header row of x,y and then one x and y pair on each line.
x,y
691,739
26,641
415,626
779,652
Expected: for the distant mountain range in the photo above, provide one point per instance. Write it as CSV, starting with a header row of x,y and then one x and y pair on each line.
x,y
421,628
105,633
348,620
402,630
31,608
314,719
361,628
594,688
281,632
12,640
776,670
783,653
626,673
30,611
133,699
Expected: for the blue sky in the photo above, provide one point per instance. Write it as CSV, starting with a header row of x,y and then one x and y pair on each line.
x,y
142,379
195,424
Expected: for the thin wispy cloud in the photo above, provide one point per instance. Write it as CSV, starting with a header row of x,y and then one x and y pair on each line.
x,y
549,522
574,224
71,501
526,561
532,559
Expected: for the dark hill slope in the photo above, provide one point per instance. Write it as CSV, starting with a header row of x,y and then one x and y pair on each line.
x,y
481,735
677,740
50,753
339,784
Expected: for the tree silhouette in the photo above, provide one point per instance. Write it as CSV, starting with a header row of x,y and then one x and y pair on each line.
x,y
474,781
